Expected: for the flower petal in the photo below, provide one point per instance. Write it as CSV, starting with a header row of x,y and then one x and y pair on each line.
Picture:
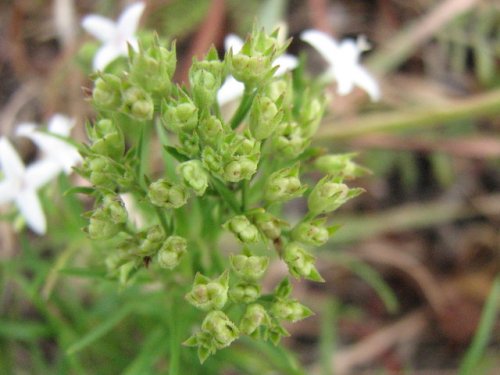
x,y
233,42
129,20
10,161
8,191
286,63
105,55
323,43
100,27
29,205
362,78
230,90
40,173
61,125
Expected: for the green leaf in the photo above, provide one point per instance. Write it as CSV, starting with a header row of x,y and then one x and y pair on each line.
x,y
23,330
483,333
100,330
80,190
226,194
176,154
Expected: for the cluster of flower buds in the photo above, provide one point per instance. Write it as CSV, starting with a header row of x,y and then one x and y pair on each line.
x,y
219,174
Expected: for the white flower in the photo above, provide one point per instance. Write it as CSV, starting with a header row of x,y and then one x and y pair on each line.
x,y
343,58
114,35
63,154
20,184
233,89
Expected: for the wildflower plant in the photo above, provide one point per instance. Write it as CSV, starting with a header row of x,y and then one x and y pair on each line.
x,y
219,176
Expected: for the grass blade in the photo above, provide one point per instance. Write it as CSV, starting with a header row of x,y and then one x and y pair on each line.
x,y
100,331
483,333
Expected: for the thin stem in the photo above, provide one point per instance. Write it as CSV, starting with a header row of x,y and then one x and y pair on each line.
x,y
479,105
245,104
245,185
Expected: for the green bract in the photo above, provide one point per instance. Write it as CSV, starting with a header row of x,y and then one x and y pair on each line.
x,y
190,173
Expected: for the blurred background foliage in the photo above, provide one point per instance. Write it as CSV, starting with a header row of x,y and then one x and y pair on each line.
x,y
409,278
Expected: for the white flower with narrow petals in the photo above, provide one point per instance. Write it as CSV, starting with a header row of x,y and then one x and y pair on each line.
x,y
115,36
233,89
20,184
62,153
343,58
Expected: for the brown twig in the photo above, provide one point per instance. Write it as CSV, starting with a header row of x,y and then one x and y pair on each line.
x,y
318,12
397,49
209,32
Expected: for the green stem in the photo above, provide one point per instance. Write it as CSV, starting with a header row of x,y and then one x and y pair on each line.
x,y
476,106
245,104
245,185
163,220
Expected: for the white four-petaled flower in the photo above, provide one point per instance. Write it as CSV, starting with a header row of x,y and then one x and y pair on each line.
x,y
60,152
233,89
20,184
115,36
343,58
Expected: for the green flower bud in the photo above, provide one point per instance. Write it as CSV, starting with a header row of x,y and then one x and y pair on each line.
x,y
328,195
251,70
108,139
101,172
138,104
244,292
284,185
211,130
290,141
255,316
153,68
243,229
300,263
190,144
340,165
268,224
265,116
194,176
163,194
290,309
171,252
153,241
181,117
204,85
311,232
249,267
108,219
208,294
222,330
241,169
107,92
212,160
310,115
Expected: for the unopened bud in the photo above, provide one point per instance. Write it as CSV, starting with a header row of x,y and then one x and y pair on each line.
x,y
300,263
254,317
290,309
265,116
107,92
249,267
182,117
311,232
138,104
328,195
244,292
194,176
108,219
243,229
171,252
284,185
163,194
208,294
